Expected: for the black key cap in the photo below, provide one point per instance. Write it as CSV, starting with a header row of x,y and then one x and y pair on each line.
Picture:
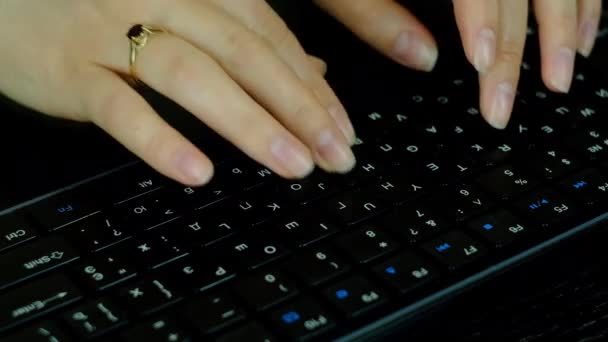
x,y
253,332
455,249
242,173
317,265
365,169
255,206
592,143
264,289
302,229
96,232
155,248
311,188
589,186
251,250
200,273
157,330
14,229
463,201
304,319
414,223
94,319
149,211
103,271
203,227
40,332
547,208
398,188
355,296
506,181
35,299
499,228
131,182
198,197
148,296
63,209
353,207
34,259
551,163
212,313
406,272
367,244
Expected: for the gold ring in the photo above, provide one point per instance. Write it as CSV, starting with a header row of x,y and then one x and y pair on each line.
x,y
138,38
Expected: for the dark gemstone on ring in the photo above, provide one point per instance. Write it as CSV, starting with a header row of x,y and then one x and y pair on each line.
x,y
135,31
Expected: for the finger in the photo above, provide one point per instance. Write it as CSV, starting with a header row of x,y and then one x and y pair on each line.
x,y
478,23
589,14
318,64
261,19
498,84
250,61
557,21
125,115
183,73
388,27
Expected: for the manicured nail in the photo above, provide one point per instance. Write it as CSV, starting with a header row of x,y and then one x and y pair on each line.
x,y
502,105
485,52
563,67
335,152
193,169
413,51
341,117
291,157
587,36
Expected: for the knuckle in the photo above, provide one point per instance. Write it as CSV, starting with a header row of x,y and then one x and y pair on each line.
x,y
511,51
243,48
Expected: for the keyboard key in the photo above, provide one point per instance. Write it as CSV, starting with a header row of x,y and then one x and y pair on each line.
x,y
255,206
63,209
303,229
591,143
40,332
499,228
94,319
14,230
242,173
250,250
317,265
303,319
198,197
398,188
34,259
551,163
213,312
96,232
148,296
463,201
589,186
157,330
203,228
200,273
149,211
547,208
507,181
155,248
103,271
455,249
311,188
253,332
353,207
130,182
414,223
264,289
367,244
35,299
405,272
355,296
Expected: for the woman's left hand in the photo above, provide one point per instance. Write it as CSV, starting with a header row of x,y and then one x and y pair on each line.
x,y
493,34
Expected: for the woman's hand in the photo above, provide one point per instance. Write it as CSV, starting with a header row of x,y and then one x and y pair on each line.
x,y
233,64
493,33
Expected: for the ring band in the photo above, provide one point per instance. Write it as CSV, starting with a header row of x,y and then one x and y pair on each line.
x,y
138,38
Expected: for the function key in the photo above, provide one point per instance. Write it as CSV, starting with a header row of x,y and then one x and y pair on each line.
x,y
213,312
94,319
547,208
589,187
252,332
264,289
405,271
130,182
63,209
367,244
317,265
14,229
455,249
355,296
306,318
499,228
157,330
148,296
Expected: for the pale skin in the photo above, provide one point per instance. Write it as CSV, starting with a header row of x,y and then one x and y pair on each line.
x,y
235,65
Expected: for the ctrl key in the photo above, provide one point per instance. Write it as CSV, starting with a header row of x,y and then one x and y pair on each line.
x,y
303,319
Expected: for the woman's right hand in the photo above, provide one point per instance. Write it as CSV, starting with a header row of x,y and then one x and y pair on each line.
x,y
233,64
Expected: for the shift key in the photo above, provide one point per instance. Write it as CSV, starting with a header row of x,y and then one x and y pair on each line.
x,y
33,259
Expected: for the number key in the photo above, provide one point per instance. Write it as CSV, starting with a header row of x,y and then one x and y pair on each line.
x,y
367,244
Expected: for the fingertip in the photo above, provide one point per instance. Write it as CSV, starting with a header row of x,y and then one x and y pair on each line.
x,y
412,50
192,167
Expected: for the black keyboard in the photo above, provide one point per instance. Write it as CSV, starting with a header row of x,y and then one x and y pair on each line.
x,y
438,202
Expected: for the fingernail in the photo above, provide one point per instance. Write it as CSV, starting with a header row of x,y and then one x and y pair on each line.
x,y
341,117
336,153
291,158
412,51
587,37
563,65
193,169
485,52
502,105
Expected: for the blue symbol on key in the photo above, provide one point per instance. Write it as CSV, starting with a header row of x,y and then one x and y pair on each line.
x,y
538,204
290,317
390,270
341,294
66,209
579,184
443,247
488,226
